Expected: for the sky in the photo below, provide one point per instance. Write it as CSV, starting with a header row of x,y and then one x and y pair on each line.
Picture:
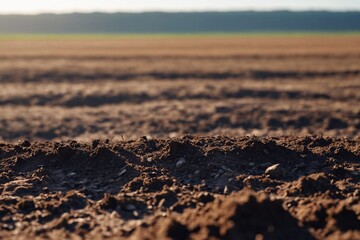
x,y
65,6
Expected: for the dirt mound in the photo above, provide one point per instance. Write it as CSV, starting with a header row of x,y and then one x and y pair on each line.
x,y
244,215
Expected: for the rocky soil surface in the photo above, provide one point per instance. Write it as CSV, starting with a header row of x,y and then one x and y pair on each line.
x,y
182,188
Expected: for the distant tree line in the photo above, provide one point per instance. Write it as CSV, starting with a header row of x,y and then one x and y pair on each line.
x,y
189,22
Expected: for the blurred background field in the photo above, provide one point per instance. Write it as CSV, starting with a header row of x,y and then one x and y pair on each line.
x,y
126,86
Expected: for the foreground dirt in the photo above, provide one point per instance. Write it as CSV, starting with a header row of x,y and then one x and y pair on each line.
x,y
161,87
182,188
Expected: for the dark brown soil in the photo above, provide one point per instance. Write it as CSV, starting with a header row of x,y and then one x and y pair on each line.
x,y
256,166
182,188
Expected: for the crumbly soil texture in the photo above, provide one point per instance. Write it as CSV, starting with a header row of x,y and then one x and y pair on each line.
x,y
200,172
181,188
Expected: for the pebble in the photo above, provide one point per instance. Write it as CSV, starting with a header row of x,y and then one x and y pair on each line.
x,y
72,174
135,213
275,171
180,162
122,172
173,134
226,190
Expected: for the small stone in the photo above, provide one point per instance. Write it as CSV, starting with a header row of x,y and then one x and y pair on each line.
x,y
275,171
122,172
149,159
173,135
72,174
180,162
135,213
161,202
226,190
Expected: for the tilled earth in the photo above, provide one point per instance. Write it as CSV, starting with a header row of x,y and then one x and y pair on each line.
x,y
160,87
273,150
182,188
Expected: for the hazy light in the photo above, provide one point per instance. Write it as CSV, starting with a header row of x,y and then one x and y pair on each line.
x,y
60,6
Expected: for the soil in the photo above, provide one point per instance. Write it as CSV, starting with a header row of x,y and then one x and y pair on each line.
x,y
180,138
182,188
166,87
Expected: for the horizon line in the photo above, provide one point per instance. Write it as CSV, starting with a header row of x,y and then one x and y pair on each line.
x,y
181,11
